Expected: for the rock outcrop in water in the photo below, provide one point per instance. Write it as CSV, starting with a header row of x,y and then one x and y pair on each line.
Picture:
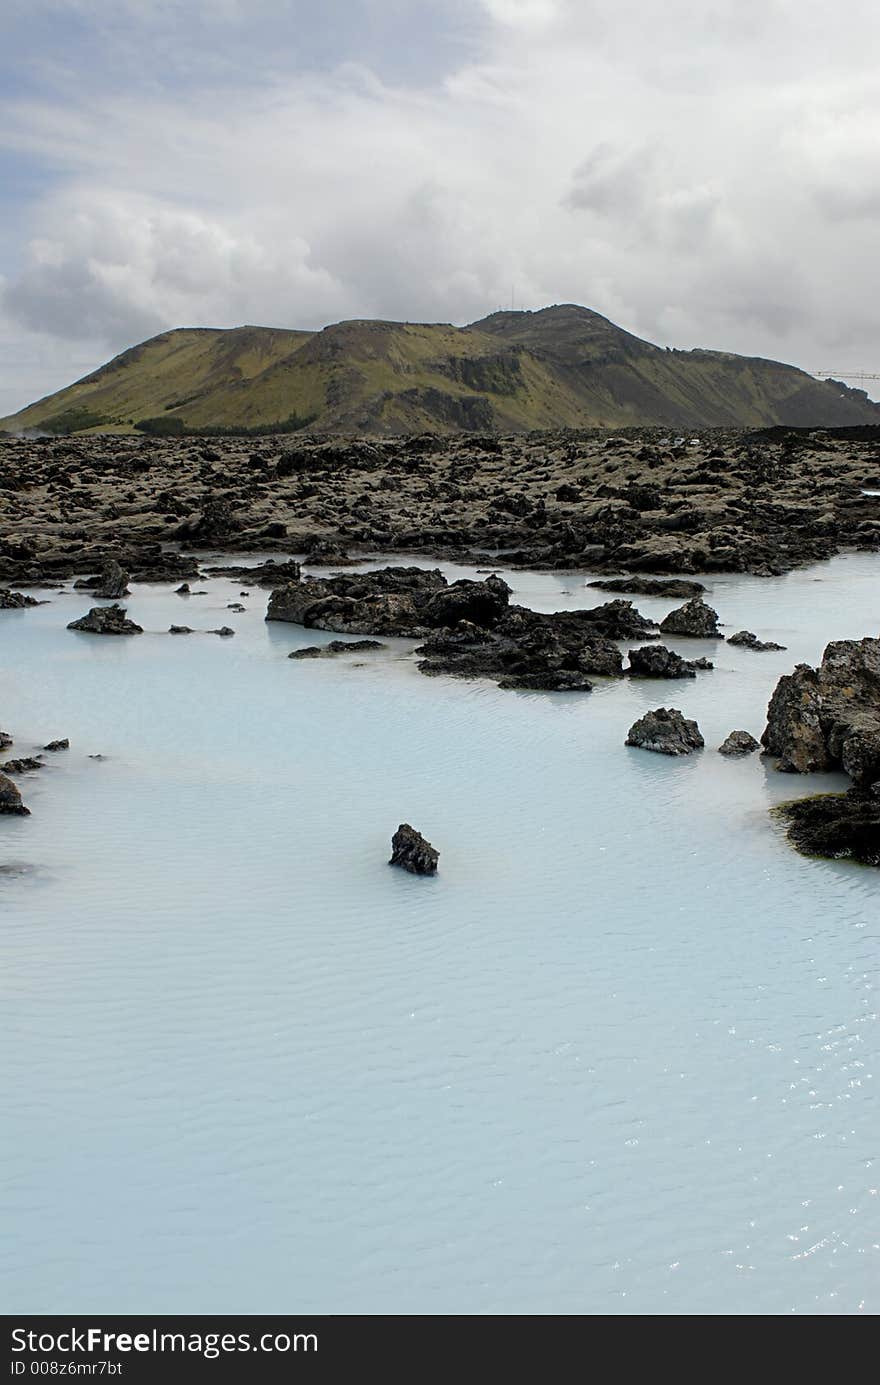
x,y
747,640
656,661
15,601
651,586
106,620
469,628
10,799
839,826
412,852
825,719
666,731
329,651
394,601
694,619
739,743
113,582
829,718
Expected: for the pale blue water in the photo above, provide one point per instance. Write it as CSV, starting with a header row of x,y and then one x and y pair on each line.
x,y
618,1057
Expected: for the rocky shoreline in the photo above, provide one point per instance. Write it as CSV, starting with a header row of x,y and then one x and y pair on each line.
x,y
635,501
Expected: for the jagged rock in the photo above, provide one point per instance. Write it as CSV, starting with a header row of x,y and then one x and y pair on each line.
x,y
63,744
554,680
10,798
113,582
180,630
268,574
619,620
480,603
829,718
656,661
527,650
747,640
838,826
16,601
412,852
694,618
106,620
665,731
389,602
5,740
23,766
327,555
650,586
739,743
328,651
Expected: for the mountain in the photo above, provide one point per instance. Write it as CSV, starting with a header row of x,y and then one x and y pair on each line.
x,y
559,367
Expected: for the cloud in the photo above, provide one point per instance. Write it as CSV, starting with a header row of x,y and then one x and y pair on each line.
x,y
702,174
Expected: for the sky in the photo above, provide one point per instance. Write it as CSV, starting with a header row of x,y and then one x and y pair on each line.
x,y
703,173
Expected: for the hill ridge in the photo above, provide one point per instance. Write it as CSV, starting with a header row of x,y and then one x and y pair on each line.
x,y
562,366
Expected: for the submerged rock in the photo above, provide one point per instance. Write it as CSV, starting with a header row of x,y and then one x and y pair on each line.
x,y
694,618
225,631
739,743
553,680
412,852
829,718
650,586
10,798
63,744
25,765
666,731
747,640
838,826
656,661
180,630
106,620
328,651
16,601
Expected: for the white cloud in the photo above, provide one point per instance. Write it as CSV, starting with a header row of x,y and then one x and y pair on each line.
x,y
703,174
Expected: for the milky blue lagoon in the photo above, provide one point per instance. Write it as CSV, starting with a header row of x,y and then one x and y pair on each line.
x,y
617,1058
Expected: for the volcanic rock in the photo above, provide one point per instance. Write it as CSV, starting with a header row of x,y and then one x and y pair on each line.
x,y
106,620
667,732
650,586
328,651
656,661
838,826
739,743
694,618
16,601
829,718
747,640
412,852
10,798
113,582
